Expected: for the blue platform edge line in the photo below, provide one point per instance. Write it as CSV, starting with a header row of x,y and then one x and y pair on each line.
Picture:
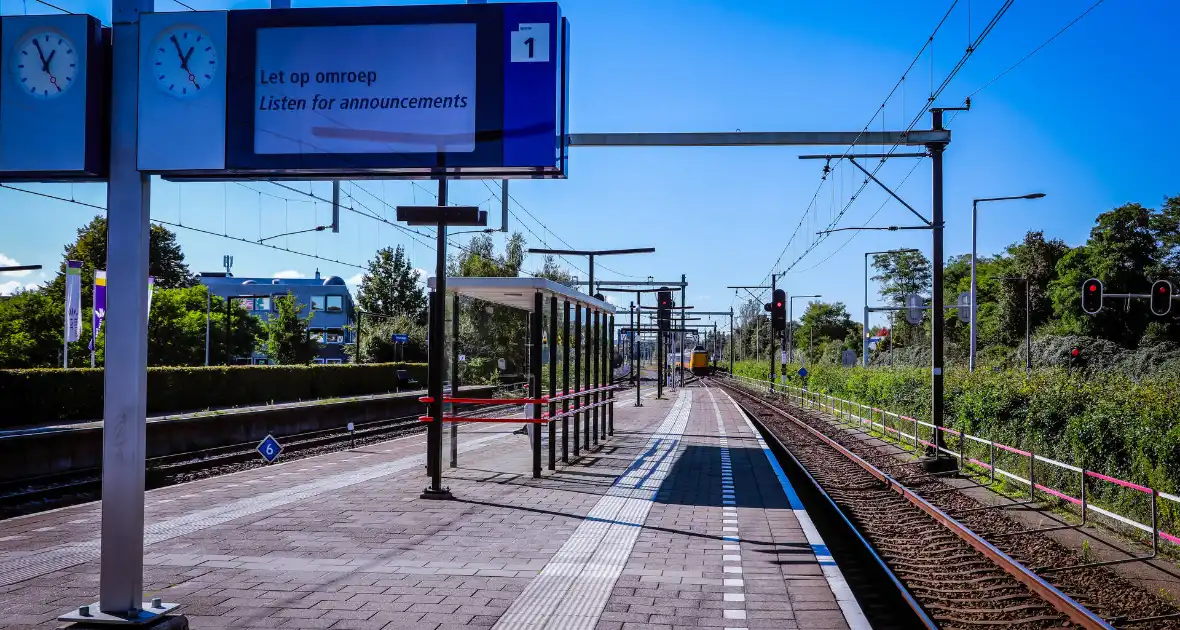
x,y
822,555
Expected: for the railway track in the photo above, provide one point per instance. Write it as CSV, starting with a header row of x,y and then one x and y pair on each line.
x,y
38,494
926,532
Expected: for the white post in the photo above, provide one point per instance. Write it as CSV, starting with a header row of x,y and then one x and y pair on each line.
x,y
125,401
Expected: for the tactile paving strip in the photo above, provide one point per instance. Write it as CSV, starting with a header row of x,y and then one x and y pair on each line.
x,y
572,590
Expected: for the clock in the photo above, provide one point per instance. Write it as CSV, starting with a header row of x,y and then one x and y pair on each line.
x,y
184,61
45,63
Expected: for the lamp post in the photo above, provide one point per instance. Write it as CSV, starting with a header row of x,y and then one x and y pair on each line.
x,y
791,325
1027,321
865,328
974,315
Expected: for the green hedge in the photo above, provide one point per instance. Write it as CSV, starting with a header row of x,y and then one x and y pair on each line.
x,y
1112,424
35,396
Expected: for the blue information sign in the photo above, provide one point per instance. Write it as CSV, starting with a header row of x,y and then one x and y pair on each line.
x,y
400,338
270,449
803,371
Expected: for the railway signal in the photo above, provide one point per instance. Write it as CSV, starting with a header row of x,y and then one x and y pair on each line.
x,y
1161,297
1092,296
778,311
664,309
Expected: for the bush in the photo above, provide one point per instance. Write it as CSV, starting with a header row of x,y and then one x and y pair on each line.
x,y
1108,423
45,395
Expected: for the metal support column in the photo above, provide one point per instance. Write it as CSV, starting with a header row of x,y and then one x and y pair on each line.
x,y
552,382
731,340
636,350
454,428
596,359
773,288
610,408
683,315
535,325
936,297
125,385
578,378
436,355
660,360
565,384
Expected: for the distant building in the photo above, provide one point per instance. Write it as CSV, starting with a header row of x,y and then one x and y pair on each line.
x,y
332,308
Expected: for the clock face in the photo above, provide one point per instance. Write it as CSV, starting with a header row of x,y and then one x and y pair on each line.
x,y
45,64
184,61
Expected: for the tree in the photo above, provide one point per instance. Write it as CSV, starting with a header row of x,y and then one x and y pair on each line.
x,y
176,328
826,324
901,274
31,325
378,347
165,259
555,272
486,330
390,286
287,341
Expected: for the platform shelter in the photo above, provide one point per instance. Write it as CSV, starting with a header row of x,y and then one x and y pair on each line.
x,y
582,327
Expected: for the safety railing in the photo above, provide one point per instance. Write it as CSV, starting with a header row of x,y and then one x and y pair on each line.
x,y
543,400
908,432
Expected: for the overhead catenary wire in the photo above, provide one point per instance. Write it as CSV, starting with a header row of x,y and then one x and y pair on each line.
x,y
971,49
181,226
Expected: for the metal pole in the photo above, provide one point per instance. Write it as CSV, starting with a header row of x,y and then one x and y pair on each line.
x,y
790,331
660,359
683,314
552,382
454,428
435,360
596,346
731,340
637,360
335,205
65,334
974,321
1027,328
577,376
610,367
565,384
589,383
773,288
864,342
535,324
125,379
936,298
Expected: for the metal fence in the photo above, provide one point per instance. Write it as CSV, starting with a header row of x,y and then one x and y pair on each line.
x,y
916,434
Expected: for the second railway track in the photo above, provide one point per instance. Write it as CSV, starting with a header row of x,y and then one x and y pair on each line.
x,y
958,577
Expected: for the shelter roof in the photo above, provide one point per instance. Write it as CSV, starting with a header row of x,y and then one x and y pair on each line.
x,y
520,293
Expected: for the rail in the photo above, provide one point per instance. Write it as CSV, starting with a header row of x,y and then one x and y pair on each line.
x,y
857,412
1056,598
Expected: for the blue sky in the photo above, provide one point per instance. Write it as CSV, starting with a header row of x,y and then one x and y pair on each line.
x,y
1087,120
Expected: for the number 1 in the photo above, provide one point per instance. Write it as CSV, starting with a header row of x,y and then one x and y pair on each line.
x,y
529,42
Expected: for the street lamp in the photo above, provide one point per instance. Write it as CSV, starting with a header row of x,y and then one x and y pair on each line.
x,y
974,314
791,325
865,330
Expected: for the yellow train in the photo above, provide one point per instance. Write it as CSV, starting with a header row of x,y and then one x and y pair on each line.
x,y
696,360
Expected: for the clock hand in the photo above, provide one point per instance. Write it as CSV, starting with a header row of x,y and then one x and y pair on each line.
x,y
188,56
183,61
49,59
44,64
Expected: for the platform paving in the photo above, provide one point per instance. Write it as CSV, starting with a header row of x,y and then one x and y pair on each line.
x,y
675,521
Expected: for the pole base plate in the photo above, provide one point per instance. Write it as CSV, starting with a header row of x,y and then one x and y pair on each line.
x,y
938,463
443,494
145,617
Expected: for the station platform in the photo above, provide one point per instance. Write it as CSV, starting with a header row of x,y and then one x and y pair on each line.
x,y
680,520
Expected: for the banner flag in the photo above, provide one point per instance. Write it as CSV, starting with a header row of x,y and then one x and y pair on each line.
x,y
100,306
73,299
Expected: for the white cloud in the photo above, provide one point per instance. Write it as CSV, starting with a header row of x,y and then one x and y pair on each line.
x,y
12,286
355,281
289,273
422,275
7,261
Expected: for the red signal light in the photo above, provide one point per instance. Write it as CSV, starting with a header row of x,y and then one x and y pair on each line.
x,y
1093,288
1073,352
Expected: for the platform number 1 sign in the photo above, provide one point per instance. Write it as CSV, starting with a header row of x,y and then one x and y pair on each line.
x,y
530,43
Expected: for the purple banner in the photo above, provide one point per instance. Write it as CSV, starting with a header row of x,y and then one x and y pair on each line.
x,y
100,306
